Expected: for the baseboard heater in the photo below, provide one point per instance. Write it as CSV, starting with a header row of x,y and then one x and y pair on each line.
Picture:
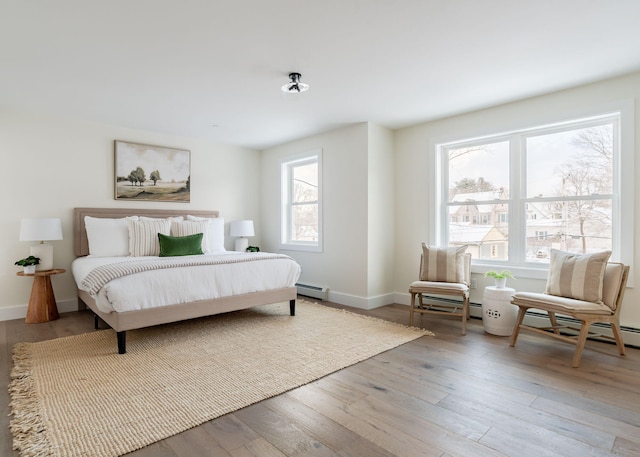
x,y
630,335
307,290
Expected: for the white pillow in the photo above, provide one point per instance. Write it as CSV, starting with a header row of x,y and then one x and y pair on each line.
x,y
143,236
108,237
170,219
214,235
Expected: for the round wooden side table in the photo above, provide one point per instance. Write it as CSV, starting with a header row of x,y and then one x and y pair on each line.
x,y
42,303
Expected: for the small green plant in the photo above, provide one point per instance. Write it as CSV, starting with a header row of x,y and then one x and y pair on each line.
x,y
253,249
501,275
31,260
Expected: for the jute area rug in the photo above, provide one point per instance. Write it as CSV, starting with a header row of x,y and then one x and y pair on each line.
x,y
75,396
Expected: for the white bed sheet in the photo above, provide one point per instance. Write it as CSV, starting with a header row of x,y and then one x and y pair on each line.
x,y
150,289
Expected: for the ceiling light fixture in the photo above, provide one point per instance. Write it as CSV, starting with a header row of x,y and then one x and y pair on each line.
x,y
295,86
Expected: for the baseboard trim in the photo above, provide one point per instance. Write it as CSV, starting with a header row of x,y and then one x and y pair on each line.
x,y
20,311
631,335
361,302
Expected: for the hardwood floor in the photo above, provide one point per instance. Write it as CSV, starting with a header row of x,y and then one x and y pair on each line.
x,y
452,395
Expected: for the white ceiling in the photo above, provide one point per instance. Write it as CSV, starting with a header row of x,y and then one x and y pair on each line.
x,y
213,69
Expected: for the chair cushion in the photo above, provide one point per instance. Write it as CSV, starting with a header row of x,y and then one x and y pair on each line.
x,y
440,264
436,287
558,304
577,276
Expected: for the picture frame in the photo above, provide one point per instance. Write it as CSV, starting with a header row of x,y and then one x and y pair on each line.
x,y
145,172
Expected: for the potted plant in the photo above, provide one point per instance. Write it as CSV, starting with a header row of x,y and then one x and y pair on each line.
x,y
29,264
500,277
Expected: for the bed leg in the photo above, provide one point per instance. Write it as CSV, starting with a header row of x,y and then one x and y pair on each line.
x,y
96,322
292,307
122,342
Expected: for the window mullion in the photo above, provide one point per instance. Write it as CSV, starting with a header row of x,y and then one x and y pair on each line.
x,y
518,188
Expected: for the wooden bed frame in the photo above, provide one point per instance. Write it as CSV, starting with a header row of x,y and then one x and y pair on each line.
x,y
130,320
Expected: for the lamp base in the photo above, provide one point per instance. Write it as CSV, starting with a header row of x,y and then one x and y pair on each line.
x,y
44,252
242,244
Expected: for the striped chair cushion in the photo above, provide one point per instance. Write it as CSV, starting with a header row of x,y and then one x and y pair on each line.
x,y
143,236
577,276
442,264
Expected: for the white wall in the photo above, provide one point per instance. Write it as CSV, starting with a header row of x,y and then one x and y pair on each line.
x,y
52,165
358,254
342,265
371,177
381,232
414,149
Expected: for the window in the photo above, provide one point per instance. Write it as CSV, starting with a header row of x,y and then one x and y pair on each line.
x,y
541,235
301,202
556,186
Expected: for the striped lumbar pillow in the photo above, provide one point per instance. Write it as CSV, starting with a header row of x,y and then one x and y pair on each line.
x,y
442,264
143,236
186,228
577,276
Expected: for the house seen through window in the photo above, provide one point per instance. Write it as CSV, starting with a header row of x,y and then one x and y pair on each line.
x,y
513,197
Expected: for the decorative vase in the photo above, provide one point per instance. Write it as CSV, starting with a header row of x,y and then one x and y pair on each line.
x,y
29,269
501,283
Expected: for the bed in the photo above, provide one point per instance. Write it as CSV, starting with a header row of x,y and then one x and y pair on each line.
x,y
129,292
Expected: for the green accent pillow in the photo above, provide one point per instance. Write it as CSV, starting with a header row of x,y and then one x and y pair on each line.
x,y
171,246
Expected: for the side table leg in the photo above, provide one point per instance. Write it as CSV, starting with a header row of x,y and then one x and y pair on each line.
x,y
42,303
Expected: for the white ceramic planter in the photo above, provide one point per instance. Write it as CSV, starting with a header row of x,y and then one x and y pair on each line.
x,y
501,283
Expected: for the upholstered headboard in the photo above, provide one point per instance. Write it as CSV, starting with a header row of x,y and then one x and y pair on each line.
x,y
80,242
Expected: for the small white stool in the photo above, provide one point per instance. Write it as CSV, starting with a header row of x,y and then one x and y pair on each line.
x,y
498,314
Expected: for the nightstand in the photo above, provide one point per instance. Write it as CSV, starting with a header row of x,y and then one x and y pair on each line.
x,y
42,303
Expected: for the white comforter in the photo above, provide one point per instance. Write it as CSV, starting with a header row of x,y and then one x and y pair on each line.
x,y
169,286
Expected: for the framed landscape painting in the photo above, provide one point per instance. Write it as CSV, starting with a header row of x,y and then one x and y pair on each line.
x,y
152,173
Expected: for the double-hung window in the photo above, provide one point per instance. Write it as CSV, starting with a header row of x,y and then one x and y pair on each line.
x,y
301,218
513,197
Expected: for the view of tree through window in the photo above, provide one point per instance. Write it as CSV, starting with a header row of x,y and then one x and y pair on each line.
x,y
561,196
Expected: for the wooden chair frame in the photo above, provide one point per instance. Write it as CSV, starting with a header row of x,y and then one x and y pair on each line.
x,y
526,301
432,291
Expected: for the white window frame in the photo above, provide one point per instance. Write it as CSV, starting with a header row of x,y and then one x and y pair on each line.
x,y
623,192
287,164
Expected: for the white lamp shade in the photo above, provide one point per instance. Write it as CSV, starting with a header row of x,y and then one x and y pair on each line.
x,y
241,228
40,229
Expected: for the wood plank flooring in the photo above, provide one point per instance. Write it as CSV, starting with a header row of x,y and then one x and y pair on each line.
x,y
452,395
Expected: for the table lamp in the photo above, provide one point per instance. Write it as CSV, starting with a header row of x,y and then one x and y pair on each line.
x,y
41,230
241,229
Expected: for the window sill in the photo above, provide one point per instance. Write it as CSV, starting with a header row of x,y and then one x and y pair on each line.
x,y
300,247
533,272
